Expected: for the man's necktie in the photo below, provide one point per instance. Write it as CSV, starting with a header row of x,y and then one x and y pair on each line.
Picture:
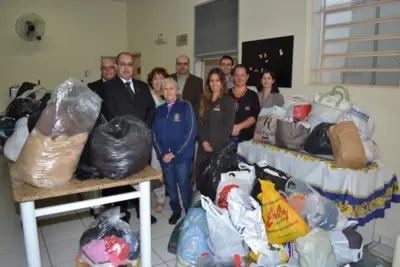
x,y
128,85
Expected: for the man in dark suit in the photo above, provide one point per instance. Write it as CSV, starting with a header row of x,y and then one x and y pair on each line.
x,y
108,72
191,87
124,95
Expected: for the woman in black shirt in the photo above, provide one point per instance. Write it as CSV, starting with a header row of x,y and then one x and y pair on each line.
x,y
247,106
216,116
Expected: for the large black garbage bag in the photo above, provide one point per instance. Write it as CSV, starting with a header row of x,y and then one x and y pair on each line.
x,y
86,170
209,172
318,142
21,107
121,147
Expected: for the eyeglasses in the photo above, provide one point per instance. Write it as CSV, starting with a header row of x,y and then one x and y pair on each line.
x,y
128,65
182,64
108,68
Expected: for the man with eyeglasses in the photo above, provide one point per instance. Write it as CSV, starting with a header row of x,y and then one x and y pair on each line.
x,y
108,72
190,86
124,95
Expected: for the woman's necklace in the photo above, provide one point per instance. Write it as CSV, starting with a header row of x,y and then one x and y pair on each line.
x,y
238,98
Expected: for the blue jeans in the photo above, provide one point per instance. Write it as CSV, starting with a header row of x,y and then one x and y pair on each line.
x,y
178,175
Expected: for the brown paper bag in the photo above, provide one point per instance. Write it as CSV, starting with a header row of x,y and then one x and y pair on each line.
x,y
347,146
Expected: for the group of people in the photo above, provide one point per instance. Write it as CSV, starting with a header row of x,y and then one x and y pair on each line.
x,y
180,110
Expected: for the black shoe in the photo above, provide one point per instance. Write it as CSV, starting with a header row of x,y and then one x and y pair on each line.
x,y
127,217
174,218
153,219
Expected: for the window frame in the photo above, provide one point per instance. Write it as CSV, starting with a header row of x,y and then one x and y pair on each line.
x,y
317,69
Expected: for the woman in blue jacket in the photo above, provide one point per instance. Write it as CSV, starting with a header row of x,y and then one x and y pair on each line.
x,y
174,132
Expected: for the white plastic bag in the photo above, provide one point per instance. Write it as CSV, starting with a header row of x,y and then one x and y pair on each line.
x,y
242,179
371,150
298,107
361,119
315,249
246,216
14,144
347,245
224,240
274,111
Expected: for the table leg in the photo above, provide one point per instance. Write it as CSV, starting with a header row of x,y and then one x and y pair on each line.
x,y
145,224
30,233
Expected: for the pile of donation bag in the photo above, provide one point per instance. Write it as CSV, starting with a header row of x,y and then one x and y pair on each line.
x,y
328,125
109,242
57,137
260,216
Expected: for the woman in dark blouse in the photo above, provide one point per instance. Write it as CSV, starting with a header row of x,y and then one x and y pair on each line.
x,y
216,116
247,106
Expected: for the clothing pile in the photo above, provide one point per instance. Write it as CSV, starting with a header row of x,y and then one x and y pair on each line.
x,y
328,125
109,242
30,98
52,150
263,217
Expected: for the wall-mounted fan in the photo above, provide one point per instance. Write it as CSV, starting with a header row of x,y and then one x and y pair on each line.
x,y
30,27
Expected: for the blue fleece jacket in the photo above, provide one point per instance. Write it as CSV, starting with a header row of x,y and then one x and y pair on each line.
x,y
175,131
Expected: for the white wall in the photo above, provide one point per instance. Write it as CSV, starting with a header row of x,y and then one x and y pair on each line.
x,y
260,19
78,32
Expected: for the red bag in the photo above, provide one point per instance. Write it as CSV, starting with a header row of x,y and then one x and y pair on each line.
x,y
298,108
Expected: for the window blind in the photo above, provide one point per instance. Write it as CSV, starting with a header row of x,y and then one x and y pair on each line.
x,y
216,28
356,42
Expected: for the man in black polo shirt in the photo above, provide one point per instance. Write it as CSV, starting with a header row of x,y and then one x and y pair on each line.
x,y
247,106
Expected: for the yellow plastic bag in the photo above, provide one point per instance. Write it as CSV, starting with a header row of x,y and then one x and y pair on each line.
x,y
282,223
276,255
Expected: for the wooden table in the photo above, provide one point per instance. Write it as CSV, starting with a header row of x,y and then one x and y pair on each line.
x,y
26,195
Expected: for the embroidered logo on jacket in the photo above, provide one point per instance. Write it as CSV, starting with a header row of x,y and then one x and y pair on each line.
x,y
217,107
176,117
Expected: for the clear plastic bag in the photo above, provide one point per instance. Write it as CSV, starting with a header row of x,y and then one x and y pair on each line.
x,y
109,240
315,249
193,238
52,151
121,147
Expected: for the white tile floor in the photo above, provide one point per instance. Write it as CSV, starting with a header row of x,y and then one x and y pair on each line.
x,y
59,236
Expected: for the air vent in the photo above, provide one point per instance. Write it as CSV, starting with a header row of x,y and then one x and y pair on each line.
x,y
181,40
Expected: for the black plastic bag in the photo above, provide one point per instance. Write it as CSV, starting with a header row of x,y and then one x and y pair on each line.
x,y
7,123
318,142
84,172
33,119
121,147
26,86
209,172
268,173
21,107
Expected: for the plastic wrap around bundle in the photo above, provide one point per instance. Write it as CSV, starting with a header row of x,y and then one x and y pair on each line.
x,y
52,150
110,241
315,249
193,238
121,147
